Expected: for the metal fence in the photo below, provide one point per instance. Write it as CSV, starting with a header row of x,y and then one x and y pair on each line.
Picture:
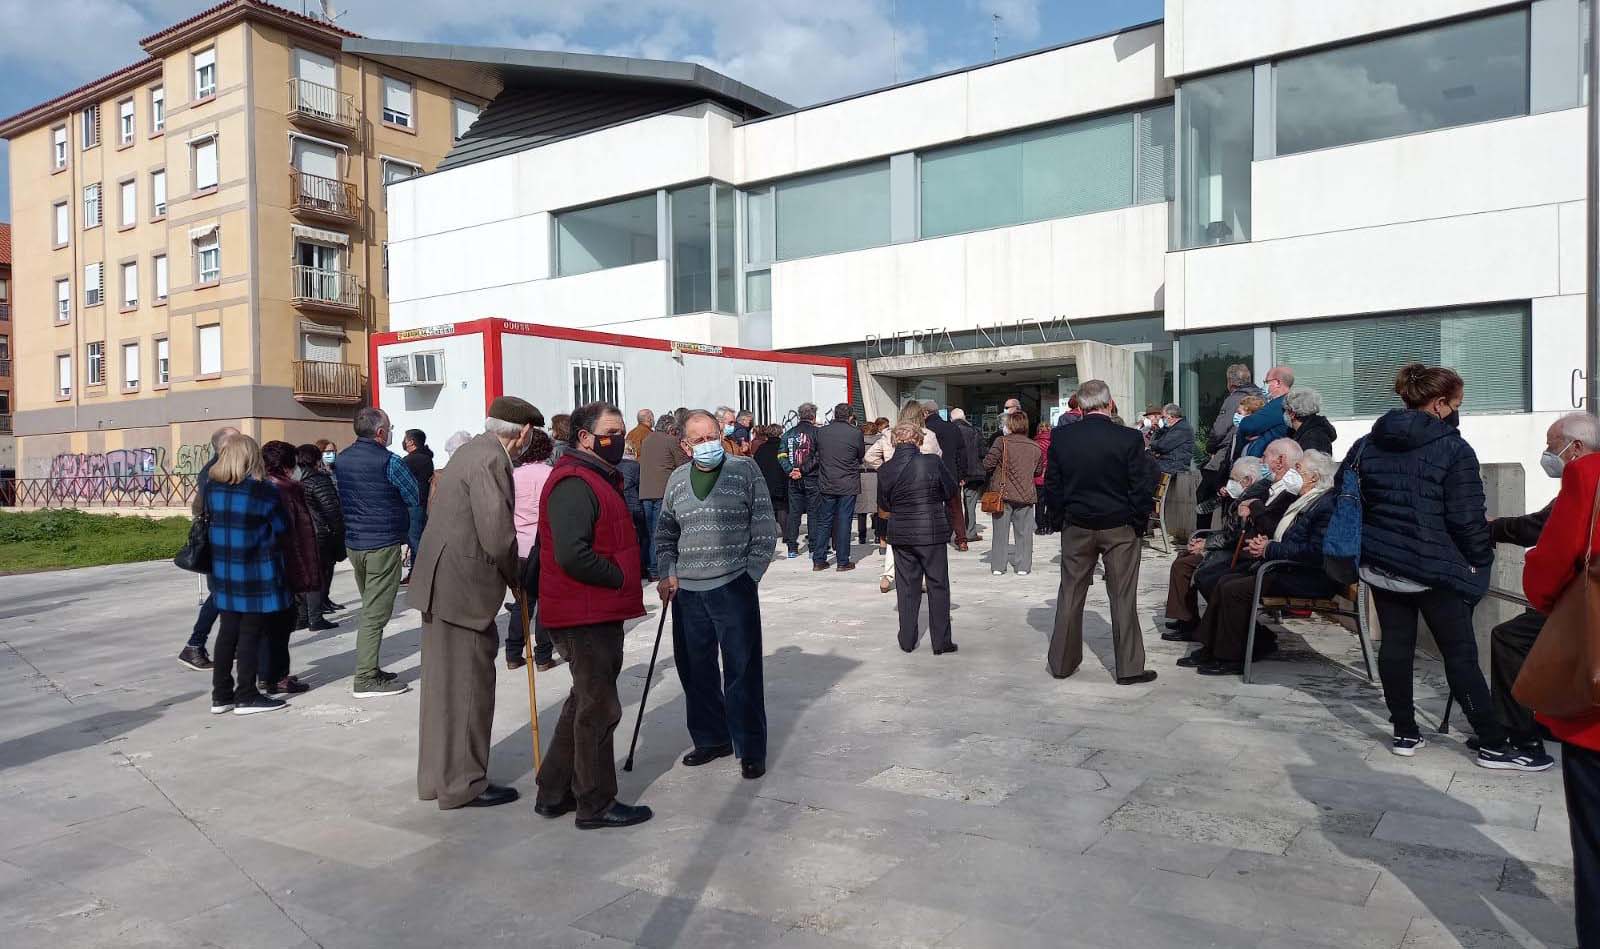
x,y
100,490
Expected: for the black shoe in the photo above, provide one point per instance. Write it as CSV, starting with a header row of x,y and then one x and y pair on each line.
x,y
752,769
1179,634
334,607
1221,668
492,796
267,688
319,624
845,566
291,686
195,658
617,815
1196,659
553,811
950,648
818,567
260,703
1510,758
1149,675
700,756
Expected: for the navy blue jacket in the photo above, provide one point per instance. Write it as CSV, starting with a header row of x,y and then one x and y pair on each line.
x,y
376,515
1266,422
1422,504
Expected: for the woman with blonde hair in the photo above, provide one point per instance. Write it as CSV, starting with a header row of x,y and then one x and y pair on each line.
x,y
247,521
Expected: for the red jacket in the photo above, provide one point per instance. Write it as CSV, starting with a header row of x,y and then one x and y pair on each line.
x,y
1557,560
565,602
1043,441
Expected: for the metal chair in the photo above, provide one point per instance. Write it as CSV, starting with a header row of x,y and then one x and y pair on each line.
x,y
1357,593
1509,597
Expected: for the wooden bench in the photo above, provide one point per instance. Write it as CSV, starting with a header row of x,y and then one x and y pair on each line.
x,y
1327,606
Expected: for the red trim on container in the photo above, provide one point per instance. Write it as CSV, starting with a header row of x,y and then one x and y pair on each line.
x,y
494,370
373,379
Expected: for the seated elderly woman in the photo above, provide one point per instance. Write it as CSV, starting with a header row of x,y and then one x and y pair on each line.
x,y
1216,548
1296,537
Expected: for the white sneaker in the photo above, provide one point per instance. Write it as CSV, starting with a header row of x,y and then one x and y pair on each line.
x,y
222,709
1022,573
1406,747
998,573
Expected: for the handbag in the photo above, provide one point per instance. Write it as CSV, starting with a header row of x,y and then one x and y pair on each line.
x,y
1341,545
993,502
1561,677
195,554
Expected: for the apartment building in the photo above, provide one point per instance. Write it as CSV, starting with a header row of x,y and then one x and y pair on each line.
x,y
1340,187
200,239
8,451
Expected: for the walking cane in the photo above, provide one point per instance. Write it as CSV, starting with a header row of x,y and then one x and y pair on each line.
x,y
533,695
628,764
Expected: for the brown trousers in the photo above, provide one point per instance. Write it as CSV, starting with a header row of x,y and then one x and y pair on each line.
x,y
581,762
1080,548
457,711
1183,601
958,519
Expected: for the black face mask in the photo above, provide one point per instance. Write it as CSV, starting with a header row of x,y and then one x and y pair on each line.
x,y
1453,419
609,448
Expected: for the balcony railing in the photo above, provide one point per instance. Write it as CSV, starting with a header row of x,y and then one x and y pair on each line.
x,y
336,382
99,488
5,425
5,367
5,311
327,198
332,290
322,105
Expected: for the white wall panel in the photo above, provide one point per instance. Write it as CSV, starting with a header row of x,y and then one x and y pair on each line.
x,y
1513,163
1557,350
896,120
1088,77
516,250
615,295
1573,274
716,329
1109,263
504,302
626,159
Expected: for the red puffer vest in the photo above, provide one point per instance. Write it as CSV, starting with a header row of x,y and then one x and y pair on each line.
x,y
565,602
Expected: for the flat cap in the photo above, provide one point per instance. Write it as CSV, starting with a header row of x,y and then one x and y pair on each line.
x,y
509,408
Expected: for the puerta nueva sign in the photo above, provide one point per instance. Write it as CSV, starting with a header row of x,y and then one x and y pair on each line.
x,y
940,339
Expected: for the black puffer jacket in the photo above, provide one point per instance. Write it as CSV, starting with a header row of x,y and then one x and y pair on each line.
x,y
1422,504
1316,433
322,497
914,488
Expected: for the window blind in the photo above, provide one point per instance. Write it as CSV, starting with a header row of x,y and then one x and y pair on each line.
x,y
1153,131
210,349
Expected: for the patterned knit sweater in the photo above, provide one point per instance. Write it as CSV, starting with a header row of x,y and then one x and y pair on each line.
x,y
708,543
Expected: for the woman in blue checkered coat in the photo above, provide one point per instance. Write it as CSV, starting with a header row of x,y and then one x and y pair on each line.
x,y
247,577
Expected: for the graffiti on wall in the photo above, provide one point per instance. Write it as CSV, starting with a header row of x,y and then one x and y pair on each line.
x,y
122,472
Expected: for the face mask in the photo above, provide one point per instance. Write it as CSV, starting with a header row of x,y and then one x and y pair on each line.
x,y
1235,490
609,448
1288,420
1552,462
727,429
1238,417
708,454
1163,423
327,457
944,414
1453,419
1292,482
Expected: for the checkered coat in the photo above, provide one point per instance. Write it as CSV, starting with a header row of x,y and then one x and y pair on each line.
x,y
247,520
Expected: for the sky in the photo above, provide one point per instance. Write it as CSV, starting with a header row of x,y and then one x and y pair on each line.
x,y
802,51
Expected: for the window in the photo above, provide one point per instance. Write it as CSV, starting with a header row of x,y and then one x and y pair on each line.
x,y
755,396
834,211
129,194
91,127
205,73
125,122
758,228
1471,71
596,382
63,300
326,347
315,90
607,235
758,291
724,236
1353,362
210,349
158,109
1203,375
5,347
318,161
91,206
62,230
158,193
94,284
396,170
465,114
130,365
691,248
163,362
397,102
205,164
63,376
58,147
130,284
208,259
1215,147
94,368
158,264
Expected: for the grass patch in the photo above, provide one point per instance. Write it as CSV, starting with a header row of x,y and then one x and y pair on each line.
x,y
55,540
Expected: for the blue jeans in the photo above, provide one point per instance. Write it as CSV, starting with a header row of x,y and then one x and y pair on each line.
x,y
647,543
832,517
419,521
204,622
728,704
803,498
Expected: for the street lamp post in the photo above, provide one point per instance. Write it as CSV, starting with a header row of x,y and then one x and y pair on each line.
x,y
1591,360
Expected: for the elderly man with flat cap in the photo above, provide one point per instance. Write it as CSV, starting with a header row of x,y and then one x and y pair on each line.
x,y
467,560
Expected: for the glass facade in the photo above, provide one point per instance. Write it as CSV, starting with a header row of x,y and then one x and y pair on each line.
x,y
1352,362
1216,143
1203,372
606,235
725,235
691,248
833,212
1472,71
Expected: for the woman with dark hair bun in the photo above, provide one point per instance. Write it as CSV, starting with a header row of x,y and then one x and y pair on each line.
x,y
302,569
1426,551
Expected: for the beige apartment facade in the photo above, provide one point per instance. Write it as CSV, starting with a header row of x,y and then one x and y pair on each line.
x,y
199,241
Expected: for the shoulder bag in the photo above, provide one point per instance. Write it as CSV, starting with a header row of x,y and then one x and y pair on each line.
x,y
992,501
195,554
1561,677
1341,545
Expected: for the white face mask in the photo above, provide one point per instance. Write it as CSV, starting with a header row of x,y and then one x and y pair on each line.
x,y
1235,490
1238,417
1552,462
1292,482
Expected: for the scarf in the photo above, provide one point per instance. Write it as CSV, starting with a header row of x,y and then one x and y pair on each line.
x,y
1301,503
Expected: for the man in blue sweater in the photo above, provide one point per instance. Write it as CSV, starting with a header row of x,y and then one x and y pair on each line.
x,y
1267,424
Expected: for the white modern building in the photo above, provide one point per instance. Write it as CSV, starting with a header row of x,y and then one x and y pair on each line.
x,y
1339,186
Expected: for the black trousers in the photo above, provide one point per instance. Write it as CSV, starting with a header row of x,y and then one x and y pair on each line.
x,y
727,703
581,762
238,639
1580,771
1449,618
804,493
1225,625
273,665
911,566
1509,645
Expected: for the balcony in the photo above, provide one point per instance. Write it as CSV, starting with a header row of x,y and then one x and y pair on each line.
x,y
323,199
337,383
5,367
328,291
5,425
5,312
323,107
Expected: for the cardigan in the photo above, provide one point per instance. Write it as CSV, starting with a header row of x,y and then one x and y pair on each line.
x,y
708,543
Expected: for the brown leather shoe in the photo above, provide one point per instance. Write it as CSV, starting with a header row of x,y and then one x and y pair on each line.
x,y
549,664
515,662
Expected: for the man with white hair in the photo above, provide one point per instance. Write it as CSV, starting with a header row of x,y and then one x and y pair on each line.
x,y
1570,437
647,424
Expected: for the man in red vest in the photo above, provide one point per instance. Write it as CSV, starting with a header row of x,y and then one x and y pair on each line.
x,y
589,585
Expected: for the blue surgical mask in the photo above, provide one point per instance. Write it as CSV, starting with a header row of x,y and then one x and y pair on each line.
x,y
944,414
727,429
327,457
1238,417
708,454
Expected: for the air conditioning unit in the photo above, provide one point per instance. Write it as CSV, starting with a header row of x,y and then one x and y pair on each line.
x,y
414,369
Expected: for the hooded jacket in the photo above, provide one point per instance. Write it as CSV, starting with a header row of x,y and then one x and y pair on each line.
x,y
1316,433
1423,515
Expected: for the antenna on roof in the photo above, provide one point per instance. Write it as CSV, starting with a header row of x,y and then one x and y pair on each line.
x,y
328,12
996,18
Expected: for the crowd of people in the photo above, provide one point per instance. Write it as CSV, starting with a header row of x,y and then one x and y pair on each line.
x,y
574,521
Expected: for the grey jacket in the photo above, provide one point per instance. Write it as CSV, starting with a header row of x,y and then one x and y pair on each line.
x,y
1220,444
